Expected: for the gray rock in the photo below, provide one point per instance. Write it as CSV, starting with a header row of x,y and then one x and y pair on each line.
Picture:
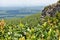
x,y
51,10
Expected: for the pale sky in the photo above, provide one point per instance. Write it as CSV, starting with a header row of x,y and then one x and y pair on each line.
x,y
7,3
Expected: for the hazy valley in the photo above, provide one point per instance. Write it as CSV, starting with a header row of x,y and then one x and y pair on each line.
x,y
9,12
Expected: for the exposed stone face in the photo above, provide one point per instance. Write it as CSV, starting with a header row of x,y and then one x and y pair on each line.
x,y
51,10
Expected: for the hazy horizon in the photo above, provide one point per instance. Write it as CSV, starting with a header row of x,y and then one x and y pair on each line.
x,y
21,3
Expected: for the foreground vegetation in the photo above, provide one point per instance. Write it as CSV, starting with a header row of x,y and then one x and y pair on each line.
x,y
31,28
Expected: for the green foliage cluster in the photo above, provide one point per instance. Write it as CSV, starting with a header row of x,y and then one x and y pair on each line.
x,y
31,28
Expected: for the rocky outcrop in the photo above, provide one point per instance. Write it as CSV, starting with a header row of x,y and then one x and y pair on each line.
x,y
51,10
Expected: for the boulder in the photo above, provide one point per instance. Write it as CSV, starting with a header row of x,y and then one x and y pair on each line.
x,y
51,10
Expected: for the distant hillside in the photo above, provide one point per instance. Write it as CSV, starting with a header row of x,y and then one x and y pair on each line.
x,y
19,11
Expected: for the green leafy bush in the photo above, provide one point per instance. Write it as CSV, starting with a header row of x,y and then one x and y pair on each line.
x,y
31,28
